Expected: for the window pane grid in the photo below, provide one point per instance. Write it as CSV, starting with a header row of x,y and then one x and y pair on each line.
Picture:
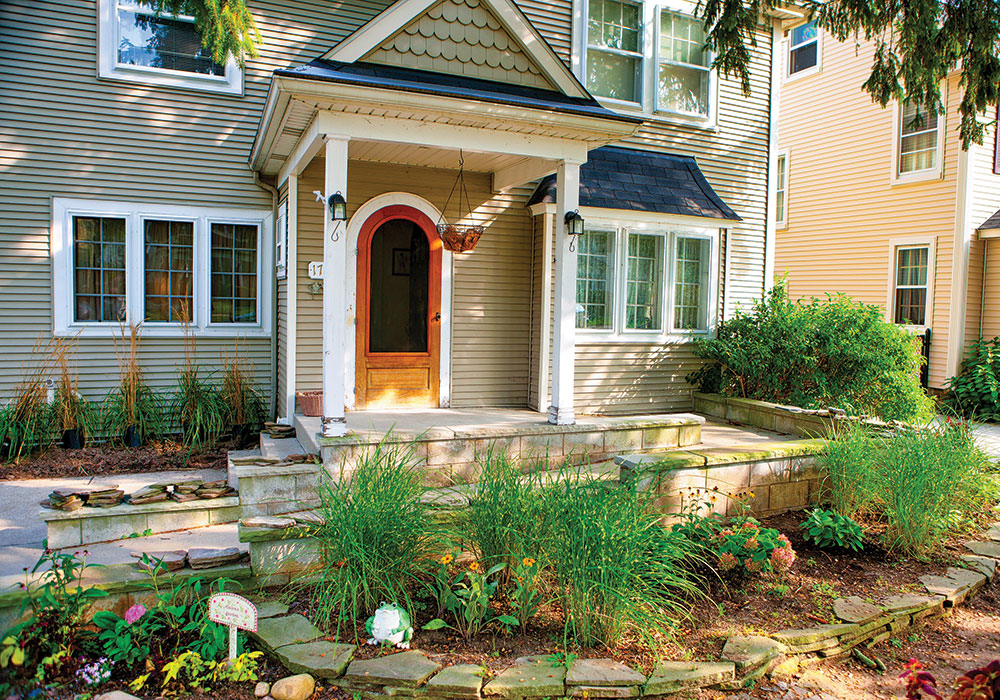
x,y
780,188
594,280
164,42
99,274
234,273
614,53
643,264
911,285
918,139
169,254
690,283
803,48
683,76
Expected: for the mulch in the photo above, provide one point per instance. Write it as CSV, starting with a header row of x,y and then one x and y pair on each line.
x,y
163,455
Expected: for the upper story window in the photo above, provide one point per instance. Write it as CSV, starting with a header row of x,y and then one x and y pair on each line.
x,y
635,282
159,265
138,45
918,140
803,48
649,58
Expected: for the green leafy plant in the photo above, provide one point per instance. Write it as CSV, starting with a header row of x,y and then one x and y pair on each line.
x,y
188,672
469,603
375,536
563,659
815,353
827,529
132,408
848,467
975,392
526,596
49,642
197,406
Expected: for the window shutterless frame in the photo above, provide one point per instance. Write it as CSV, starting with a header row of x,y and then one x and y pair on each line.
x,y
781,190
803,44
712,280
638,56
135,213
924,174
109,67
660,60
904,243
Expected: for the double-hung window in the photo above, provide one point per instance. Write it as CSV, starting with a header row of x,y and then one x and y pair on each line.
x,y
911,288
638,282
781,190
648,57
918,147
138,44
161,266
803,48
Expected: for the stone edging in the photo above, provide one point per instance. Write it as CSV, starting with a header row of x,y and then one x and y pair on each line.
x,y
301,647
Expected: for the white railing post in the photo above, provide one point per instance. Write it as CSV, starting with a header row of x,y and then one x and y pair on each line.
x,y
563,339
334,292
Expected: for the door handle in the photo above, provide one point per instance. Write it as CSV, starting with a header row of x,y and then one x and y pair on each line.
x,y
437,316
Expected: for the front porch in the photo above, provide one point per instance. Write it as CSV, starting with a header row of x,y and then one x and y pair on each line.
x,y
448,441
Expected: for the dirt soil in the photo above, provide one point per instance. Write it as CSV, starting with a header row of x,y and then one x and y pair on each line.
x,y
159,456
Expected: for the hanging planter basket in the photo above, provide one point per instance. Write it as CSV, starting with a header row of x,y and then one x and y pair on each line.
x,y
459,238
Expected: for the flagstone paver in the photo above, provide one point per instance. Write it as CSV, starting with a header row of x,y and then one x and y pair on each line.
x,y
856,610
984,549
464,680
671,676
408,669
603,673
984,565
276,632
320,659
752,651
529,677
906,602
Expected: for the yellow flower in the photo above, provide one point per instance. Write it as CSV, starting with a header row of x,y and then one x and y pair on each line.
x,y
474,566
528,561
520,579
447,559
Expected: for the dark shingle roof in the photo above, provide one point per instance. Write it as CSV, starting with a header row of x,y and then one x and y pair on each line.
x,y
446,85
629,178
991,223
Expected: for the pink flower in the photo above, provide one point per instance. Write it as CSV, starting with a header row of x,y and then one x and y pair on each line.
x,y
782,558
134,613
751,544
726,561
752,565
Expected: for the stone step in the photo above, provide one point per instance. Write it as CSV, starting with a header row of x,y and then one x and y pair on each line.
x,y
279,448
91,525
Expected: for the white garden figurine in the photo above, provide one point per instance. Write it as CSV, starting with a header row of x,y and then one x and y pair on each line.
x,y
390,623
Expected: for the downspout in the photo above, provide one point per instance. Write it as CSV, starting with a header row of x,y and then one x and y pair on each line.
x,y
273,411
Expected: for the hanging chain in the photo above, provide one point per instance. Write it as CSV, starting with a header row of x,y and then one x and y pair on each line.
x,y
459,184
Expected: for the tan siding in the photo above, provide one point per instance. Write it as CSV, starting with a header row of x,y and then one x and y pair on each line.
x,y
491,290
553,19
461,37
65,133
984,201
842,208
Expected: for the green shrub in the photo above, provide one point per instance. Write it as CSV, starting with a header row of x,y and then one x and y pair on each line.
x,y
197,408
376,534
617,571
922,483
827,530
975,392
813,353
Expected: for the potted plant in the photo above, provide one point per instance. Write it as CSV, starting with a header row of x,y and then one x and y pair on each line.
x,y
26,421
132,411
242,403
71,410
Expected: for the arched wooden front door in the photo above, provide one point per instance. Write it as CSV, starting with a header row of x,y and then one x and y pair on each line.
x,y
399,310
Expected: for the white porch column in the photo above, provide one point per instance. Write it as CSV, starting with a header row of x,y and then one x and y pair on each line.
x,y
564,326
334,292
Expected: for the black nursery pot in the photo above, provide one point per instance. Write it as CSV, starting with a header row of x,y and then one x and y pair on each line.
x,y
72,439
132,437
242,433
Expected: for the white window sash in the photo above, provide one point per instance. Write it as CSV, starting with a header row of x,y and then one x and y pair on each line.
x,y
896,174
929,243
710,301
781,186
135,213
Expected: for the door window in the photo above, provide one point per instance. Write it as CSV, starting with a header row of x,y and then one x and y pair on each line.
x,y
399,288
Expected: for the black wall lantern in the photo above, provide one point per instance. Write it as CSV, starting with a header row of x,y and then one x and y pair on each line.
x,y
338,207
574,223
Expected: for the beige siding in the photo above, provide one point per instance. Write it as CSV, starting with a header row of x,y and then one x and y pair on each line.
x,y
65,133
984,201
554,21
461,37
842,208
491,290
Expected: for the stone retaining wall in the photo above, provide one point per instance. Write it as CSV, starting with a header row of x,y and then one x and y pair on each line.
x,y
782,476
791,420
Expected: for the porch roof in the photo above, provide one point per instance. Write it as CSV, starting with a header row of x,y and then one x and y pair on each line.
x,y
450,85
629,178
990,227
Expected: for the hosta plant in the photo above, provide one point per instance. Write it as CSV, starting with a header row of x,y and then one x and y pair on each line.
x,y
827,530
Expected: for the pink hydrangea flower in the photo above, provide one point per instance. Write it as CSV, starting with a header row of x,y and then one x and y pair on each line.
x,y
751,544
752,565
726,561
782,558
134,613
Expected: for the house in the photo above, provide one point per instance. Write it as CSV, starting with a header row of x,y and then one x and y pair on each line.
x,y
293,205
881,206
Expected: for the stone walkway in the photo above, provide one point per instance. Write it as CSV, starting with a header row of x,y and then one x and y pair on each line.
x,y
988,435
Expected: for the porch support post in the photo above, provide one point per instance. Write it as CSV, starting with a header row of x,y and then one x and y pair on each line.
x,y
334,292
563,339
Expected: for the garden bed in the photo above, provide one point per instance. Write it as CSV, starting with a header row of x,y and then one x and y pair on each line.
x,y
162,455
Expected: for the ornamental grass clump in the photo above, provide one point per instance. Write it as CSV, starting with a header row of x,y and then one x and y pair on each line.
x,y
617,571
376,535
816,353
241,402
73,415
25,422
132,412
197,405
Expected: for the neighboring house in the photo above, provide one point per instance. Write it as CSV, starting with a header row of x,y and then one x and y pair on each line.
x,y
885,208
142,182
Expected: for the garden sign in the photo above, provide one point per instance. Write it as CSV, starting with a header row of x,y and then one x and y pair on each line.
x,y
235,612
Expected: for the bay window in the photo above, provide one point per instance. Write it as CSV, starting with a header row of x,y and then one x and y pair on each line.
x,y
159,265
645,282
648,57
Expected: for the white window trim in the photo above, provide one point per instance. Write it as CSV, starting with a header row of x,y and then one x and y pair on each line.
x,y
134,213
781,223
895,243
926,175
786,53
281,241
108,67
647,107
669,227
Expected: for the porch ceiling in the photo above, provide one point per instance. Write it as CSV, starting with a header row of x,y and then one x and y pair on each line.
x,y
425,156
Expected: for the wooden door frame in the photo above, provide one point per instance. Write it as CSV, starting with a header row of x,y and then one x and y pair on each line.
x,y
368,229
